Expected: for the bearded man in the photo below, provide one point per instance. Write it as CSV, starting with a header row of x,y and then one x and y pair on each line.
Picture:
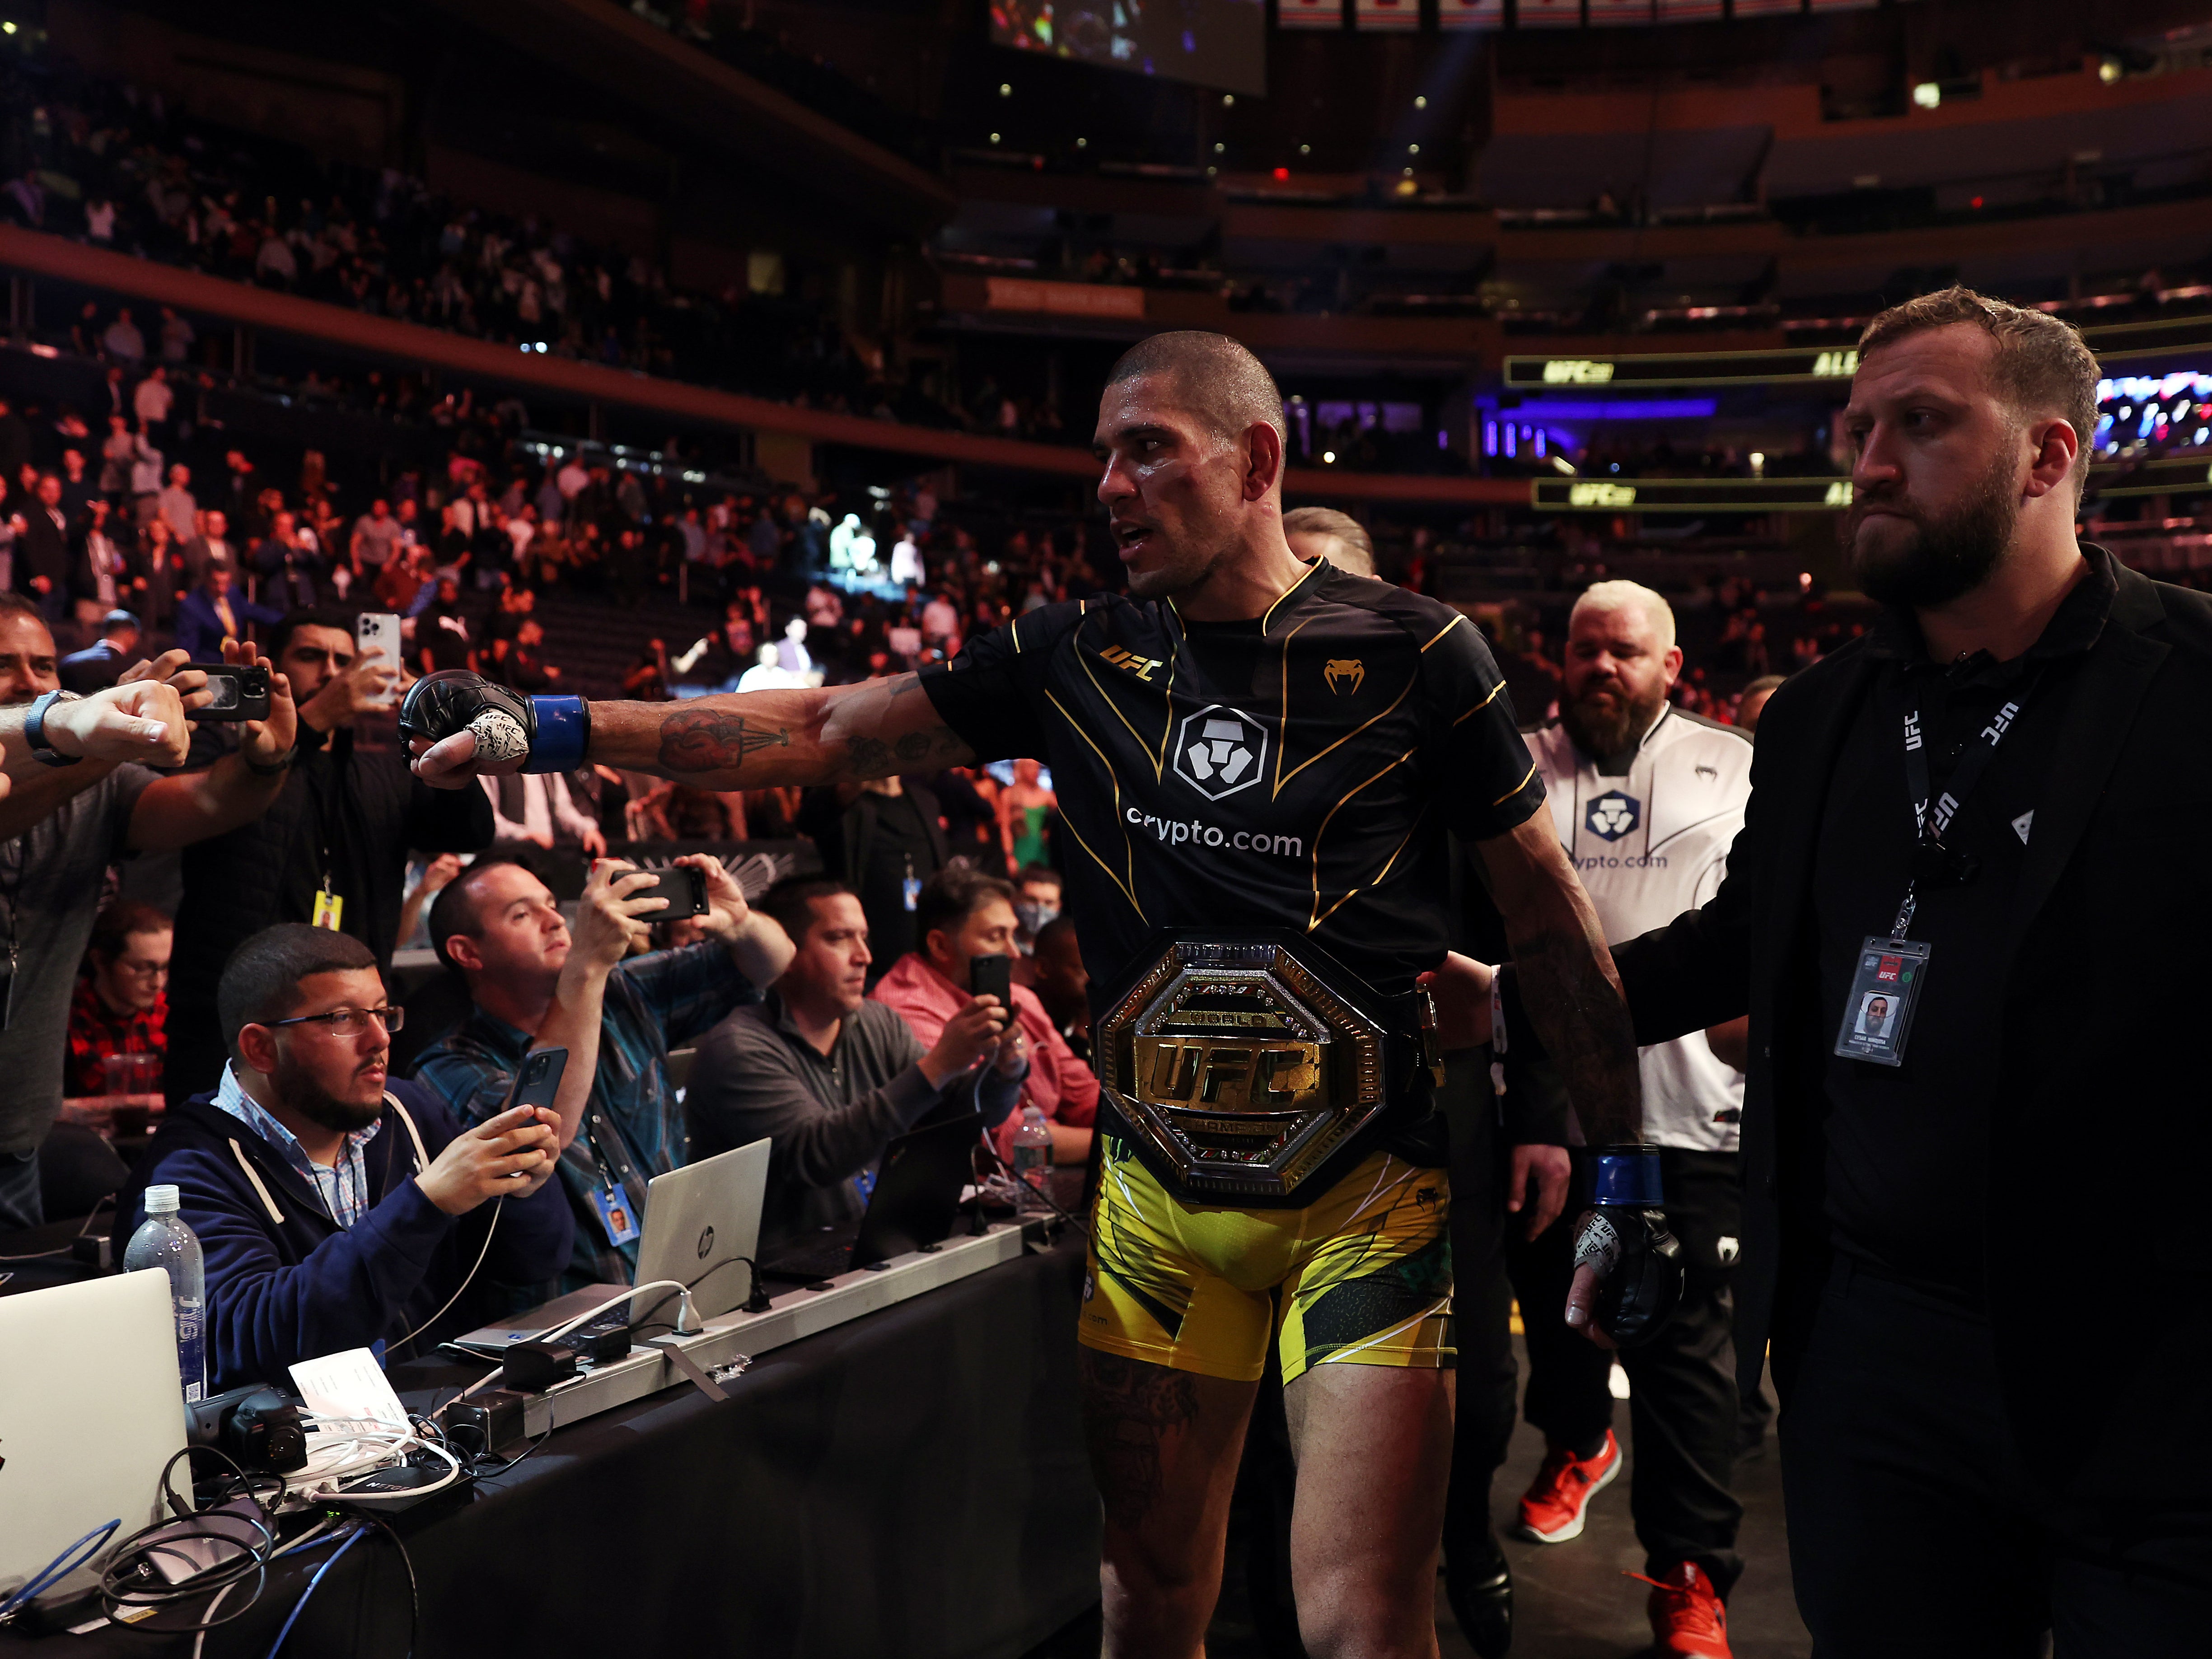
x,y
338,1207
1981,1286
1646,801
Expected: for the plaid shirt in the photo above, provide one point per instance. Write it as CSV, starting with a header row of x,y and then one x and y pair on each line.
x,y
634,1126
343,1186
95,1031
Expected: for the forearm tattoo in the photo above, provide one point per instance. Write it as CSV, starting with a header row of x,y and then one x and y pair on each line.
x,y
926,750
704,740
1129,1408
1578,1011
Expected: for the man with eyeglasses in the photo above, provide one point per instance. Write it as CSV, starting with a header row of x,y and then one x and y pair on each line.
x,y
338,1208
73,809
122,1005
331,849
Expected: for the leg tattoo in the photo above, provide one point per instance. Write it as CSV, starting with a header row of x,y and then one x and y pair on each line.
x,y
1128,1406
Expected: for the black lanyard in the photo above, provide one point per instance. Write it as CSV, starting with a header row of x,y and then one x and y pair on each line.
x,y
1935,863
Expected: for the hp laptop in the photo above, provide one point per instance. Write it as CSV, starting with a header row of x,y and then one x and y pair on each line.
x,y
914,1199
91,1410
701,1225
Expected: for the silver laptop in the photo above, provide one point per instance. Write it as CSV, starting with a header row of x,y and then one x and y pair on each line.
x,y
91,1410
700,1221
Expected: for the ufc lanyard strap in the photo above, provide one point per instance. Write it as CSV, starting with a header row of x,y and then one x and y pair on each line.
x,y
1890,972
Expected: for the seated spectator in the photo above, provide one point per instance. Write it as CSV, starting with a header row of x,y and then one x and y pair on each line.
x,y
337,1207
962,914
1062,983
1037,901
122,1003
101,663
829,1077
211,615
535,985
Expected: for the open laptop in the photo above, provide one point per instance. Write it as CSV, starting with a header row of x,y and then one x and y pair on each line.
x,y
699,1221
90,1411
914,1199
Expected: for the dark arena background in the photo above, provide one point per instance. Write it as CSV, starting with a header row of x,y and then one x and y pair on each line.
x,y
661,350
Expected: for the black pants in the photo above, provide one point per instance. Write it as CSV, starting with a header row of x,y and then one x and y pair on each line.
x,y
1682,1402
1482,1307
1915,1527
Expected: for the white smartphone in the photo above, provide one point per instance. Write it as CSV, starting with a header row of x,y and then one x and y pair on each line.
x,y
376,633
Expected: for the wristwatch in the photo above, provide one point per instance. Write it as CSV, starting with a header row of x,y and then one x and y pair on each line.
x,y
271,768
34,729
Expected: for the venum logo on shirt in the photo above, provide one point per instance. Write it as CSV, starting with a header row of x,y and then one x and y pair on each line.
x,y
1612,815
1219,751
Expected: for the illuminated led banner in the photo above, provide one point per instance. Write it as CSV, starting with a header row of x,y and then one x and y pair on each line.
x,y
1549,13
1386,14
1690,494
1470,14
2116,342
1616,13
1658,369
1310,14
2169,475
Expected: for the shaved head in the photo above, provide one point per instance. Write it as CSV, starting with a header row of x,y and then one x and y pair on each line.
x,y
1621,662
1190,437
1214,378
1626,596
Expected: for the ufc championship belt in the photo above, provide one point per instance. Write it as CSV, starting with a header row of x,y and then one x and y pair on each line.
x,y
1247,1066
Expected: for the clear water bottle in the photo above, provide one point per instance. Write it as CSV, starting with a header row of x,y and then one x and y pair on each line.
x,y
1033,1163
165,1242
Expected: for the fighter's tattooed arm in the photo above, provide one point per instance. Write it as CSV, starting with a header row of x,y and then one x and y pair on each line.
x,y
758,739
1568,984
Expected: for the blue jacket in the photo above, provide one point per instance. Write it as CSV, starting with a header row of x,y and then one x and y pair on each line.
x,y
200,630
286,1283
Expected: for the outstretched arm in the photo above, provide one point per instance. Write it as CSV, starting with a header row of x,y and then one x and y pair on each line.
x,y
1568,983
753,739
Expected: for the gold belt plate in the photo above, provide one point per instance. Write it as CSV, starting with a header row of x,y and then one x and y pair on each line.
x,y
1240,1067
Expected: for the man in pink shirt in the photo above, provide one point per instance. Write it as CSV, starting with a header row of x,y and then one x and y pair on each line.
x,y
962,914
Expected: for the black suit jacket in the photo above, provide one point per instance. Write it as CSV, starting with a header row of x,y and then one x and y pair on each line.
x,y
43,550
2098,1272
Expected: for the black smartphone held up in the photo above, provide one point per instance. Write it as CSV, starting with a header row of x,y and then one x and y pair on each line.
x,y
537,1080
992,976
238,693
683,886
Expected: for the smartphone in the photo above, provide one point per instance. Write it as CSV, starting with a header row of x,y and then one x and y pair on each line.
x,y
376,634
537,1080
992,976
237,694
683,886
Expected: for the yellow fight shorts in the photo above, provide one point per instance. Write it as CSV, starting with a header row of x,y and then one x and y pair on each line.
x,y
1360,1276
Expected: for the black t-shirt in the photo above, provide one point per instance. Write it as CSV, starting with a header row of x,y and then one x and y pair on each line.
x,y
1298,771
1906,1147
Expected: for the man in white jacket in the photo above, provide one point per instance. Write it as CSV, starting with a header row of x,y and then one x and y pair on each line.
x,y
1647,801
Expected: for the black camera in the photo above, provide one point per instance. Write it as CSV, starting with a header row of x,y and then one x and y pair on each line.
x,y
258,1427
236,694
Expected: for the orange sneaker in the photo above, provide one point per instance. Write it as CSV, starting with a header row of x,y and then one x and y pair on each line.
x,y
1551,1509
1687,1618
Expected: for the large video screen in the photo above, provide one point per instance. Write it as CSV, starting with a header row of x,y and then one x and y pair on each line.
x,y
1214,43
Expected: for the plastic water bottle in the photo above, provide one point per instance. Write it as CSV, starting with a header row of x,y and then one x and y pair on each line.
x,y
1033,1163
165,1242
